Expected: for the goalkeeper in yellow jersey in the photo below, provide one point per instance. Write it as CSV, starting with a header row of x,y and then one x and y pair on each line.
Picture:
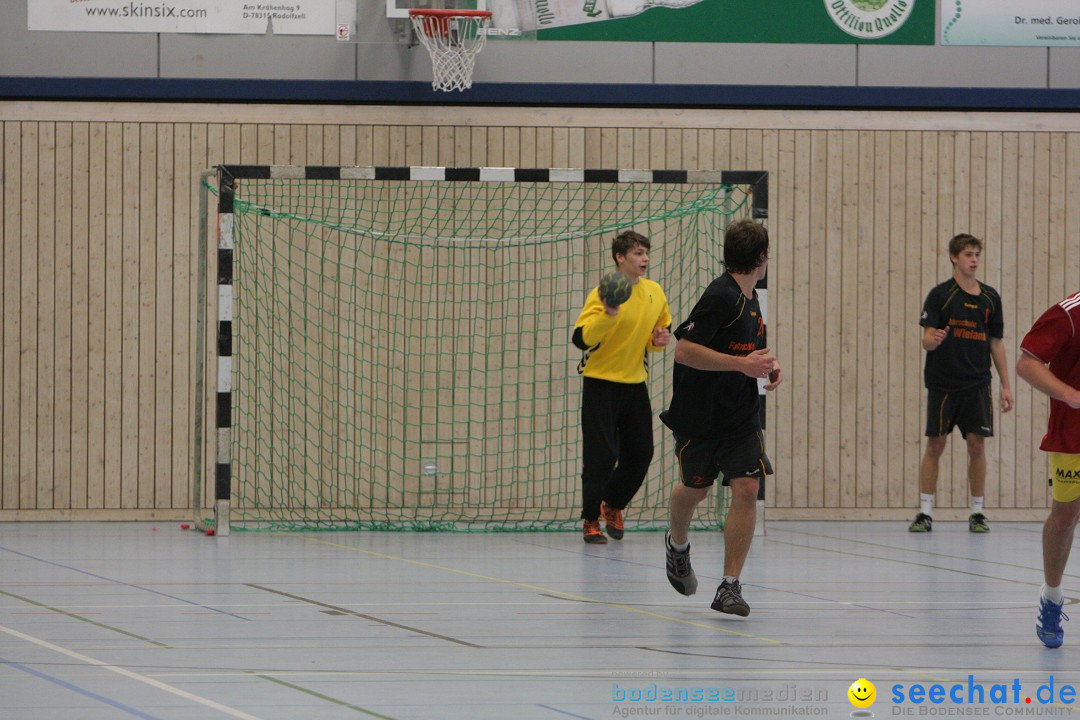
x,y
616,417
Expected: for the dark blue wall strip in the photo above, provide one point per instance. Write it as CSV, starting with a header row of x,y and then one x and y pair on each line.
x,y
541,94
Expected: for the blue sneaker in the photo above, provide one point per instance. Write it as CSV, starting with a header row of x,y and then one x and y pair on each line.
x,y
1048,624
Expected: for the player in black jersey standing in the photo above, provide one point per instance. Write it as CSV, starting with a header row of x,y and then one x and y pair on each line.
x,y
715,411
962,331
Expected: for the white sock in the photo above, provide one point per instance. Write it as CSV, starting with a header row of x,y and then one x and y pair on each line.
x,y
1054,594
926,503
680,547
976,504
730,580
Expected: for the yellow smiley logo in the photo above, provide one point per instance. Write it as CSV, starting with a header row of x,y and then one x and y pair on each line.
x,y
862,693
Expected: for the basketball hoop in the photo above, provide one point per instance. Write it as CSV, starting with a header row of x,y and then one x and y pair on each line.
x,y
452,37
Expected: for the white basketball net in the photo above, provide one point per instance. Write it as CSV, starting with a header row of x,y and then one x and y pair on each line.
x,y
452,41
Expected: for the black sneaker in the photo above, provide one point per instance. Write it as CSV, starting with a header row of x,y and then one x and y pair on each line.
x,y
679,573
977,523
729,599
921,523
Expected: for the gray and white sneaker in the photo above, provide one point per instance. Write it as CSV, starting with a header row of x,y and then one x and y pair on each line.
x,y
679,573
729,599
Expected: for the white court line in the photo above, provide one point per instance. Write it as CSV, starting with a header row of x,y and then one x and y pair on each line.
x,y
129,674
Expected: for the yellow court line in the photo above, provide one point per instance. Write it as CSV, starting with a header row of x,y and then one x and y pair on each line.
x,y
537,588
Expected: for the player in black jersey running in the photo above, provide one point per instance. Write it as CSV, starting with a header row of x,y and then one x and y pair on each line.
x,y
962,331
715,414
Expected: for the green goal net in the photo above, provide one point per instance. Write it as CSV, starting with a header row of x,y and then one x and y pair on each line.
x,y
400,346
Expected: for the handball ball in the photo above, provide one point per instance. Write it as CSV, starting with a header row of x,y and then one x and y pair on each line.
x,y
615,289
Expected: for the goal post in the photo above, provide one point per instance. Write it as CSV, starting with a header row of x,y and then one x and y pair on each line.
x,y
391,345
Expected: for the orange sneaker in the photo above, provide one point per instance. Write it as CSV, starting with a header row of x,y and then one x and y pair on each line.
x,y
592,533
613,521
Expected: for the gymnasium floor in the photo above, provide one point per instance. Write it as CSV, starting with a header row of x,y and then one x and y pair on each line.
x,y
114,620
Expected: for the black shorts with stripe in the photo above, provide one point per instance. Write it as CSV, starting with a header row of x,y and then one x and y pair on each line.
x,y
970,410
701,461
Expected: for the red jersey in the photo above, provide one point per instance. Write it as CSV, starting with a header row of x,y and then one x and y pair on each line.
x,y
1055,340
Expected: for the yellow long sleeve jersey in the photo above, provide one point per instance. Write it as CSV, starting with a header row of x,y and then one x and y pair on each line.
x,y
616,348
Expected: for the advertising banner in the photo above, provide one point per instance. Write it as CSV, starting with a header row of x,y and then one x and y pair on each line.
x,y
242,17
1041,23
897,22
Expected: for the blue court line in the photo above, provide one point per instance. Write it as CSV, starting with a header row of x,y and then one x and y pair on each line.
x,y
568,714
118,582
75,688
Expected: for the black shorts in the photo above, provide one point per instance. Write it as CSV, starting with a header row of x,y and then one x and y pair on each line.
x,y
702,461
970,410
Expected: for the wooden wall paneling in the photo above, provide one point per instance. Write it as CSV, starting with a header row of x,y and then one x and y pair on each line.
x,y
560,147
428,145
864,491
1008,238
673,150
414,145
97,324
545,148
167,366
331,139
657,149
994,247
1072,217
346,143
605,147
114,313
495,150
624,148
801,260
527,148
264,144
882,207
721,143
380,146
298,144
365,146
896,319
8,347
907,331
834,356
738,160
463,155
576,144
688,141
233,149
44,190
152,404
62,317
852,435
778,489
249,141
80,311
130,344
202,140
29,348
1027,276
183,187
511,146
817,339
641,147
478,146
591,148
706,151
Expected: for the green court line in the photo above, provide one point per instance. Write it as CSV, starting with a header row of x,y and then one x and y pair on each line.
x,y
327,698
80,618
